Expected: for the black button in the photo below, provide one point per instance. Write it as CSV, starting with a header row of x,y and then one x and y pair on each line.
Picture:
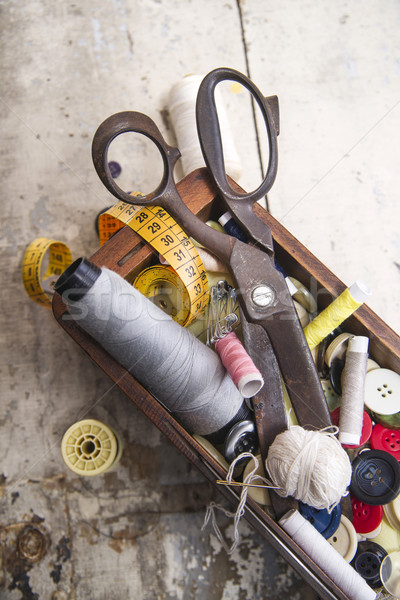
x,y
335,374
242,437
376,477
367,562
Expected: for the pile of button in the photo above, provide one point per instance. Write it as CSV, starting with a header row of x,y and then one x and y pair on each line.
x,y
373,529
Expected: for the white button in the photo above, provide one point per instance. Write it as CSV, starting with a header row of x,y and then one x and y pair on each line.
x,y
382,391
344,540
213,452
303,296
392,513
303,315
371,365
373,534
389,538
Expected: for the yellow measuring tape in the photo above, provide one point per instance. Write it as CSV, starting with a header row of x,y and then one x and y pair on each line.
x,y
180,289
166,290
36,282
164,234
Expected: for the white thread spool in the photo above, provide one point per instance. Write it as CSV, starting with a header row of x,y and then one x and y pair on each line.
x,y
182,109
181,372
326,557
352,405
309,465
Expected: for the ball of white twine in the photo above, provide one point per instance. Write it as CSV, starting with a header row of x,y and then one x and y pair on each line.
x,y
309,465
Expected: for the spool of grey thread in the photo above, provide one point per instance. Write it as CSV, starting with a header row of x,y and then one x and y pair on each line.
x,y
186,376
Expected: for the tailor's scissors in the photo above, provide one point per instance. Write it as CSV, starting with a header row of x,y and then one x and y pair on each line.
x,y
272,333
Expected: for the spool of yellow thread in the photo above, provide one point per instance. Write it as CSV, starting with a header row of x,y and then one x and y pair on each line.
x,y
338,311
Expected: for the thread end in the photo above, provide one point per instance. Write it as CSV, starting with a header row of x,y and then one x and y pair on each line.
x,y
358,343
223,219
360,291
349,438
250,384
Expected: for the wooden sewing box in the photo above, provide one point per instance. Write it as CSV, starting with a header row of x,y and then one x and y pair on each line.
x,y
127,254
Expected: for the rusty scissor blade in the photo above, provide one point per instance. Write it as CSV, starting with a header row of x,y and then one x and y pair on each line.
x,y
268,404
299,373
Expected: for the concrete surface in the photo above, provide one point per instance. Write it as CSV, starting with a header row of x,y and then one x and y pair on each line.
x,y
136,531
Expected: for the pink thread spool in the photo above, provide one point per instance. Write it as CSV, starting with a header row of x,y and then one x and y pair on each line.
x,y
239,365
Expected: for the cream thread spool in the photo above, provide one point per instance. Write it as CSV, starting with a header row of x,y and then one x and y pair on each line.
x,y
90,448
338,311
326,557
182,373
352,404
182,109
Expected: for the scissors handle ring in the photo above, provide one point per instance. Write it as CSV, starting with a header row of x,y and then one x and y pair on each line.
x,y
210,135
131,121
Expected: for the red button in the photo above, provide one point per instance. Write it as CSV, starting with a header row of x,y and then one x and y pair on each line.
x,y
366,517
366,428
387,440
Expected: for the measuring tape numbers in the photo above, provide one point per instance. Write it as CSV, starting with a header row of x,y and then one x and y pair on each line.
x,y
164,234
38,284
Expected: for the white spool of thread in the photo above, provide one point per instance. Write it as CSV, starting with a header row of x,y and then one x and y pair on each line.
x,y
181,372
182,109
352,405
326,557
309,465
